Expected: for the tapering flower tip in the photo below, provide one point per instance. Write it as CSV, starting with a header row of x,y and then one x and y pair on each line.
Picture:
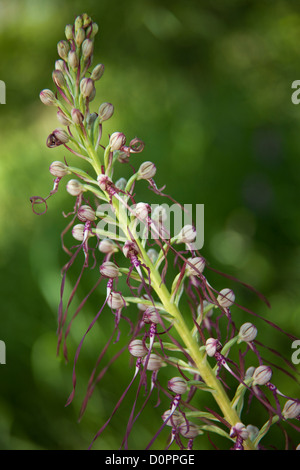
x,y
69,32
104,181
121,184
151,315
146,171
189,430
63,48
87,87
73,60
129,248
58,78
79,37
59,169
115,301
117,141
249,372
137,348
261,375
77,116
92,30
239,430
61,135
176,418
141,210
87,48
195,266
86,213
63,118
154,362
177,385
247,332
97,72
107,246
47,97
78,232
291,409
74,187
226,298
106,110
153,255
109,269
78,23
187,234
212,346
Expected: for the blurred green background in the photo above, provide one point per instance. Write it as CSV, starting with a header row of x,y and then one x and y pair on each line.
x,y
207,87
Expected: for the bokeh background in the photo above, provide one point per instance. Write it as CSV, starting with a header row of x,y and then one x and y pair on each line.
x,y
207,87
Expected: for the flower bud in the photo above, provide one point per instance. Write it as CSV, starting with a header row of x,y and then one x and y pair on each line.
x,y
74,187
151,315
121,184
63,119
152,254
104,181
59,169
177,385
198,265
115,301
47,97
87,48
78,232
262,375
73,60
189,430
249,372
141,210
69,32
77,116
63,48
247,332
86,20
212,346
86,213
87,87
116,141
291,409
93,30
239,430
107,246
106,110
58,78
253,432
60,65
174,420
226,298
79,37
90,119
109,269
142,306
97,72
61,135
137,348
146,171
78,23
130,247
154,362
187,234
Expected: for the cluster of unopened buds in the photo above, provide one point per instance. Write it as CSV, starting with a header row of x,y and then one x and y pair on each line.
x,y
190,307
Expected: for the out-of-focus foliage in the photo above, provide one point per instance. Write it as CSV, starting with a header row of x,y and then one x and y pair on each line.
x,y
208,89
